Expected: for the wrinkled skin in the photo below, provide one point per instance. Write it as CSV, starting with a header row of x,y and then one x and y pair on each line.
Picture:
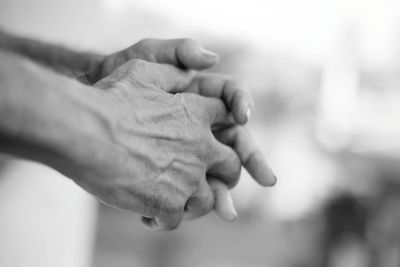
x,y
185,54
188,54
162,146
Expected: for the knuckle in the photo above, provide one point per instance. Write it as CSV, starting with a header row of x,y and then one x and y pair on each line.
x,y
210,147
185,98
206,205
198,180
195,181
145,49
137,63
199,205
204,209
202,199
171,206
171,227
144,43
232,172
207,149
141,66
190,103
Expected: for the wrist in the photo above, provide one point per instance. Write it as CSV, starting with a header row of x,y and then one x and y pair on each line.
x,y
82,131
47,117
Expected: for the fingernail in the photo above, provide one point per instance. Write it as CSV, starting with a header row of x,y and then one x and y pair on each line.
x,y
209,55
271,179
274,181
233,210
234,215
261,171
248,114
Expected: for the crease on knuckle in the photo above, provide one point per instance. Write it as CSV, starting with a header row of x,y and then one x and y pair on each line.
x,y
171,207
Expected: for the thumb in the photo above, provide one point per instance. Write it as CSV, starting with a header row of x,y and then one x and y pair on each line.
x,y
182,53
193,56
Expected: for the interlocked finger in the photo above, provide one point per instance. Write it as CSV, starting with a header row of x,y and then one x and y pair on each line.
x,y
251,157
225,164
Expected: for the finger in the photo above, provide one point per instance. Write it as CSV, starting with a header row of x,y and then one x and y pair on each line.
x,y
169,212
233,92
165,77
225,164
251,157
183,53
223,205
199,204
216,112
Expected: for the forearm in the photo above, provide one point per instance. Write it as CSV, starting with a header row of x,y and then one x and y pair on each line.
x,y
44,116
61,59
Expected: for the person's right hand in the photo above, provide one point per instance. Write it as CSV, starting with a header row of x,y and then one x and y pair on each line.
x,y
156,149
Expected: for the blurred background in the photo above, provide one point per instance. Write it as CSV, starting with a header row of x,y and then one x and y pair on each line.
x,y
325,76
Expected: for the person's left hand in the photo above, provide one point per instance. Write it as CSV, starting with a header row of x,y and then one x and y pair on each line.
x,y
185,54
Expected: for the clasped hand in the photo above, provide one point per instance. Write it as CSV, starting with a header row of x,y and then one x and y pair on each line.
x,y
174,141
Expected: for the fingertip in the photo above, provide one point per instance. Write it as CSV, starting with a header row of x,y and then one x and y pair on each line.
x,y
274,181
209,57
226,216
243,115
206,59
260,170
232,213
224,207
193,56
242,108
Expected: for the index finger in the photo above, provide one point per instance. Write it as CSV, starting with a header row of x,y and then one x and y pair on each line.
x,y
233,92
251,157
216,111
